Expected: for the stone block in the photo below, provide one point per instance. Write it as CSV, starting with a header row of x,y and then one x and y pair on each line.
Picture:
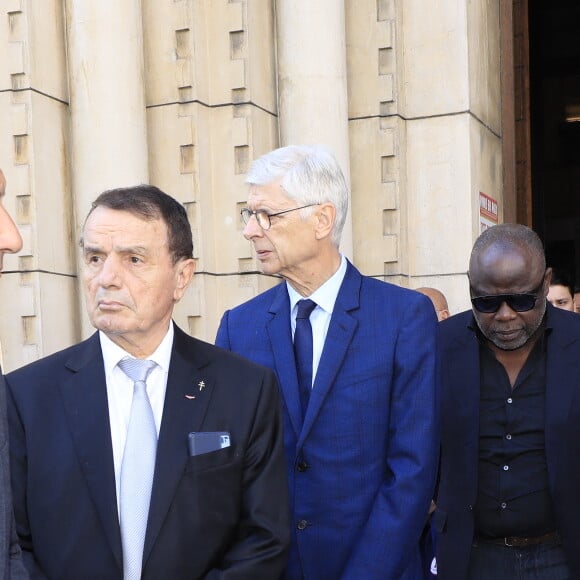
x,y
439,194
434,62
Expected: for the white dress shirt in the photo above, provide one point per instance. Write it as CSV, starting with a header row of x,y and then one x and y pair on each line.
x,y
325,297
120,392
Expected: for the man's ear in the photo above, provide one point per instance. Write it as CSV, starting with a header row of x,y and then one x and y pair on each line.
x,y
325,217
548,276
184,273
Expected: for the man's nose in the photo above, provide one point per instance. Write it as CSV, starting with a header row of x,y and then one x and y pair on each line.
x,y
109,274
252,229
10,239
505,312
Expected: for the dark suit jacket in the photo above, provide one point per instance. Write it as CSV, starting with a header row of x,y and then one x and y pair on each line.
x,y
460,438
218,515
362,466
11,566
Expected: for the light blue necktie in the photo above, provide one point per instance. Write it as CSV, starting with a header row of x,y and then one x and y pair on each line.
x,y
137,468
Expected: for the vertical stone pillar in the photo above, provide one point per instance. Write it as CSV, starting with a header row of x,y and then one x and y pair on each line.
x,y
312,82
451,100
107,99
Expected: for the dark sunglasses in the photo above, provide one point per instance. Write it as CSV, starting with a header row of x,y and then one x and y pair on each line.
x,y
517,302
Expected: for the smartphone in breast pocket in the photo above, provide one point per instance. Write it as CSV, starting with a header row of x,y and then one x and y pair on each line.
x,y
201,442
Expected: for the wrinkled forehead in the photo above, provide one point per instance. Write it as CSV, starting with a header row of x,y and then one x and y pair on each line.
x,y
122,224
505,268
270,194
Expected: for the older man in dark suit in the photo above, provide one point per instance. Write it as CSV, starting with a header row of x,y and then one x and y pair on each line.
x,y
10,558
143,452
507,504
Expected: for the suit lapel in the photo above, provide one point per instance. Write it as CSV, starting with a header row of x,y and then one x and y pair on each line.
x,y
562,382
87,413
461,385
338,339
186,400
280,336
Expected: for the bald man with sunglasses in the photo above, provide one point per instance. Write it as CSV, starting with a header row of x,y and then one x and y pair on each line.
x,y
507,503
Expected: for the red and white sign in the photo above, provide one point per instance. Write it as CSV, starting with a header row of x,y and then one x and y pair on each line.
x,y
488,211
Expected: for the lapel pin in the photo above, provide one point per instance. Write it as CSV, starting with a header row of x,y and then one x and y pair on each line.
x,y
190,396
201,385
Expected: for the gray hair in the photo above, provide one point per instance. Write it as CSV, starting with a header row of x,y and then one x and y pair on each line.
x,y
507,237
307,174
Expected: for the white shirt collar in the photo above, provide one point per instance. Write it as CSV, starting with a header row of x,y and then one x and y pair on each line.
x,y
326,295
113,353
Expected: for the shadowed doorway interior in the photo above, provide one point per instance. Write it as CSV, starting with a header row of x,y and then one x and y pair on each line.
x,y
554,81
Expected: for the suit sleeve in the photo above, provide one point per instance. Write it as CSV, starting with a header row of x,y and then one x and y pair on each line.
x,y
387,547
19,486
222,338
13,557
260,548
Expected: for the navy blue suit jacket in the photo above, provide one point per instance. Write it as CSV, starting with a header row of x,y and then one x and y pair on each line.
x,y
217,515
361,468
457,493
11,566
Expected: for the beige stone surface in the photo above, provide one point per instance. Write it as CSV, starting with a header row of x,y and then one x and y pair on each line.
x,y
434,63
38,316
212,51
372,57
107,113
312,81
186,93
486,164
46,32
483,34
376,200
440,195
54,247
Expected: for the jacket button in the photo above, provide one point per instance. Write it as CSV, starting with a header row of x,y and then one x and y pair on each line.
x,y
302,466
302,524
470,507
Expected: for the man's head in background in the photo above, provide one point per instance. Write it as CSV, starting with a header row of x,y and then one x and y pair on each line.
x,y
439,302
561,293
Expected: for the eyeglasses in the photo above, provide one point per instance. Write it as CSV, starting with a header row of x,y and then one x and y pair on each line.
x,y
263,217
517,302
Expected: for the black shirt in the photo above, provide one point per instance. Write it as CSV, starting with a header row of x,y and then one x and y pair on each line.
x,y
513,491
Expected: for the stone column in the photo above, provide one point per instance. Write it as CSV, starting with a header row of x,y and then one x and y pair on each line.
x,y
107,99
451,101
312,81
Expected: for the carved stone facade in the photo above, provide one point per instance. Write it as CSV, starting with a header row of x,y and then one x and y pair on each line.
x,y
185,93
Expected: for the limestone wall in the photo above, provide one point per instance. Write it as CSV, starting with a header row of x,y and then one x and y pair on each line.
x,y
185,93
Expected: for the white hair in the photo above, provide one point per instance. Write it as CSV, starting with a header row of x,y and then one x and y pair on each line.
x,y
307,174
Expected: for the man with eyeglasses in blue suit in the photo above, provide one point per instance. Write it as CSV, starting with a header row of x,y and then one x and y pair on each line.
x,y
507,502
356,365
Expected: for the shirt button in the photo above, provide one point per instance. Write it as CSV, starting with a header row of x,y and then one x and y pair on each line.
x,y
503,505
506,467
302,524
510,400
508,437
302,466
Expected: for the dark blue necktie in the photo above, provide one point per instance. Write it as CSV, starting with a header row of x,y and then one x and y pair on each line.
x,y
303,351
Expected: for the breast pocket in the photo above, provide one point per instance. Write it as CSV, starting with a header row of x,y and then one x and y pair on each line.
x,y
210,460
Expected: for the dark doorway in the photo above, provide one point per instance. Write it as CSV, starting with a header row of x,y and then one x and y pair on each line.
x,y
554,74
